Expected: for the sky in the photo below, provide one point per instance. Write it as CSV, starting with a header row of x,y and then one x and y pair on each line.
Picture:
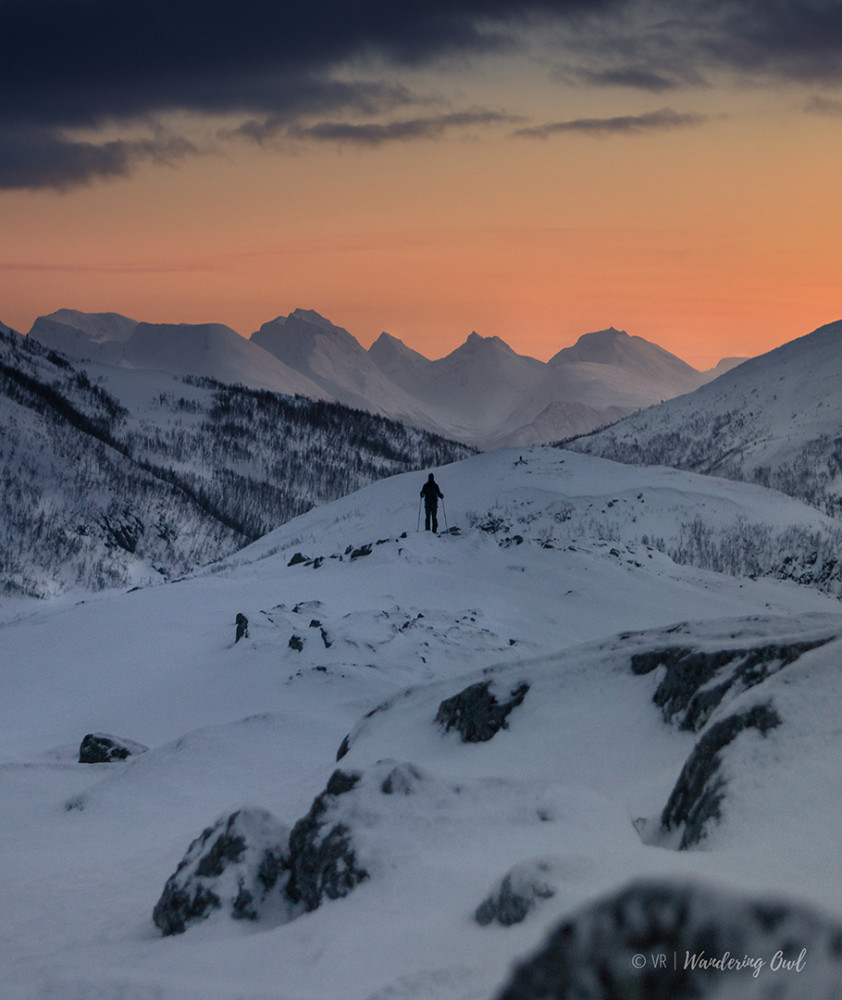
x,y
528,169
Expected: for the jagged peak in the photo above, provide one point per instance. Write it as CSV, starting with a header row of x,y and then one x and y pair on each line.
x,y
476,341
314,318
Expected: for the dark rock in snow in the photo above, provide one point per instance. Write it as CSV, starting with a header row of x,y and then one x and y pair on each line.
x,y
239,865
696,681
674,941
323,859
297,559
103,748
242,627
363,550
296,643
476,713
700,788
516,895
403,779
344,747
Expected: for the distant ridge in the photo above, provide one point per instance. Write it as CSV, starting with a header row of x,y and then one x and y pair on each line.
x,y
483,393
774,419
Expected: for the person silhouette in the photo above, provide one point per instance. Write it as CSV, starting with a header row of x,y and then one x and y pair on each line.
x,y
432,494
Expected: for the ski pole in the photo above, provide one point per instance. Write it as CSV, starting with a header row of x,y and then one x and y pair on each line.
x,y
444,511
418,525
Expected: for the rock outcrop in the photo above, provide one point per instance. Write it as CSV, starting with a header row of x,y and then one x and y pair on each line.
x,y
678,941
103,748
238,866
476,714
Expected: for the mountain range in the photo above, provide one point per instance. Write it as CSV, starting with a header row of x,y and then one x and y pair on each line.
x,y
483,393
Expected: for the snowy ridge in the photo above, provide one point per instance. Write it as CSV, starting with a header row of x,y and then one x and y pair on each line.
x,y
521,745
774,420
482,393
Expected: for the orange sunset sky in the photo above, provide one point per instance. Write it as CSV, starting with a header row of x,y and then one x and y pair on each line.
x,y
529,170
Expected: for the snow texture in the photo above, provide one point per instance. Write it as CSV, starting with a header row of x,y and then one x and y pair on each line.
x,y
653,685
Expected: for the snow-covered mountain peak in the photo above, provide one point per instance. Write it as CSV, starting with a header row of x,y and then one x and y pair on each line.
x,y
99,336
391,355
99,327
616,347
476,343
307,341
773,419
315,319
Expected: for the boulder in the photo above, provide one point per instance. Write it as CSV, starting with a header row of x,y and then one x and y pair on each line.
x,y
680,941
517,894
476,713
238,866
103,748
323,858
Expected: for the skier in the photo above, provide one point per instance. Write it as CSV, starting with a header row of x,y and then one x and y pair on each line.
x,y
431,493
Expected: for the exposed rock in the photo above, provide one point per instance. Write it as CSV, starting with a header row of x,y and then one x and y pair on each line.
x,y
323,859
516,895
296,643
103,748
700,788
239,865
696,681
673,941
242,627
297,559
403,779
476,713
344,747
363,550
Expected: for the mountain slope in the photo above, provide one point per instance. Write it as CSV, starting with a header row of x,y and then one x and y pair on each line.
x,y
332,358
116,476
775,420
431,862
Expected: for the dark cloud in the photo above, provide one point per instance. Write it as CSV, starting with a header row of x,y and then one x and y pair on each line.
x,y
376,134
631,77
824,106
37,158
86,64
654,121
655,42
278,65
797,40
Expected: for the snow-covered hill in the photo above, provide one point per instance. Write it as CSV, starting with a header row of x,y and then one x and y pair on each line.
x,y
775,420
114,476
543,725
483,393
